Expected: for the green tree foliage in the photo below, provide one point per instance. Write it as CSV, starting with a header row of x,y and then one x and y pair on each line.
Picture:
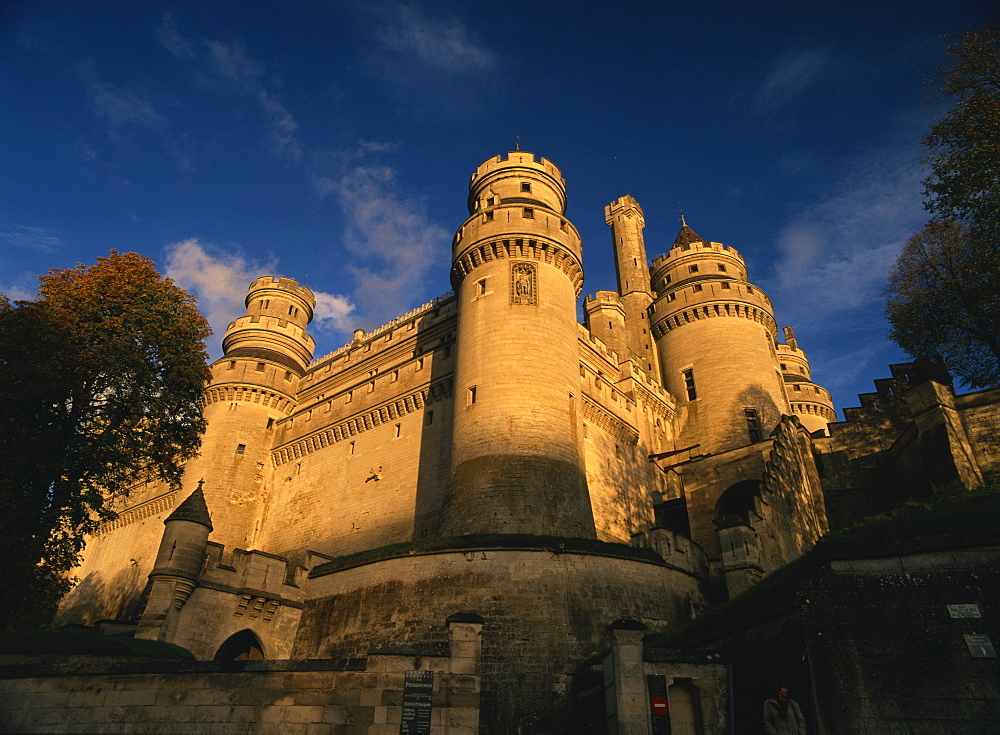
x,y
100,379
964,146
943,295
944,302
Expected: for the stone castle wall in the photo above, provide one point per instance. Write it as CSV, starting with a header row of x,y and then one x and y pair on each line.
x,y
544,614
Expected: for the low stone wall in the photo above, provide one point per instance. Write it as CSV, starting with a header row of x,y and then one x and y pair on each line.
x,y
346,696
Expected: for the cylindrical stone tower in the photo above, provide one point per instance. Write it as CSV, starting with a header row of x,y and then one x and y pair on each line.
x,y
517,455
812,403
715,334
253,387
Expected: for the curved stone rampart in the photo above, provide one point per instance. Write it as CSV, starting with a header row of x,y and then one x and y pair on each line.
x,y
545,613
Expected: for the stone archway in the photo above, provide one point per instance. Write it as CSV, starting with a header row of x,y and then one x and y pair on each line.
x,y
241,646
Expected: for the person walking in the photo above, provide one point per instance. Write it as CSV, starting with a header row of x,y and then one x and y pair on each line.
x,y
782,715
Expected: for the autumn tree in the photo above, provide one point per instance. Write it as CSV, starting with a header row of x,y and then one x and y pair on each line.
x,y
943,295
100,378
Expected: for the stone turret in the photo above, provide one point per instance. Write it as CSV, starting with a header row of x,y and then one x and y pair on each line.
x,y
253,386
517,455
178,566
812,403
715,334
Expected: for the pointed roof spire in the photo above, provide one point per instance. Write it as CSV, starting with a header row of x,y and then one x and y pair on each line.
x,y
686,236
193,509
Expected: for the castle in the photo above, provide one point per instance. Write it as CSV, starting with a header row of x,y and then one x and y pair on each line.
x,y
486,461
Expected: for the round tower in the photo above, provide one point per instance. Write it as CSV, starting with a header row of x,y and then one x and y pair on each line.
x,y
812,403
517,456
253,387
715,334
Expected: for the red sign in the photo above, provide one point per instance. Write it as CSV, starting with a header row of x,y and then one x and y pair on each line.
x,y
659,705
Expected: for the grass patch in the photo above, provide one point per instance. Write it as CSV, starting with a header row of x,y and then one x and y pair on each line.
x,y
78,643
487,541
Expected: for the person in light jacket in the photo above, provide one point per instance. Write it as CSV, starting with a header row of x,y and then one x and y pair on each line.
x,y
782,715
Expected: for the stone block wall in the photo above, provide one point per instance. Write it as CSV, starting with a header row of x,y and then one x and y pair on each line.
x,y
544,613
348,697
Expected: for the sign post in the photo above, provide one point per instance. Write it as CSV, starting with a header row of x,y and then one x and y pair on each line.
x,y
659,705
418,687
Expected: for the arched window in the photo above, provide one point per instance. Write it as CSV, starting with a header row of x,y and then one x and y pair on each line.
x,y
735,504
242,646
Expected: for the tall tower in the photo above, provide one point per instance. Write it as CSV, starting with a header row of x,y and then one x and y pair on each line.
x,y
625,218
517,455
253,386
715,334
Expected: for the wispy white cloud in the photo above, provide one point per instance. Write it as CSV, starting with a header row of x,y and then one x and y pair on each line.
x,y
432,62
220,278
121,108
434,45
789,77
835,253
389,234
31,238
170,39
228,63
21,289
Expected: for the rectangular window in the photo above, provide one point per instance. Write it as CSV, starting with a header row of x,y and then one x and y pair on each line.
x,y
490,201
529,213
397,429
692,269
471,396
420,363
725,286
232,364
270,424
698,287
371,387
349,397
350,448
395,376
671,296
488,216
260,367
796,387
667,279
288,375
241,448
481,287
753,425
525,186
689,387
430,418
722,267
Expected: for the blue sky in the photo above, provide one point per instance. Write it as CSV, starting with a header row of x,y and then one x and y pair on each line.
x,y
332,142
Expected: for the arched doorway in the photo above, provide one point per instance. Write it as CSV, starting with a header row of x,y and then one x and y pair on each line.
x,y
242,646
683,699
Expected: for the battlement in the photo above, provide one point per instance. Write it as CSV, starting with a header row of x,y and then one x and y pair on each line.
x,y
521,159
622,204
693,248
252,574
280,283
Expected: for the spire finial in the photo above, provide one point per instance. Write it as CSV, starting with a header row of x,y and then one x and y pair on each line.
x,y
517,143
683,221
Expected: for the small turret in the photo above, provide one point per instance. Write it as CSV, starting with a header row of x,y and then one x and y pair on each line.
x,y
178,566
812,403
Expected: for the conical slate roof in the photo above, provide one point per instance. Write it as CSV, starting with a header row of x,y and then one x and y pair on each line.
x,y
193,509
687,236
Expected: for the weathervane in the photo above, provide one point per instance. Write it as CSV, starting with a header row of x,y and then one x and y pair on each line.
x,y
683,221
517,143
